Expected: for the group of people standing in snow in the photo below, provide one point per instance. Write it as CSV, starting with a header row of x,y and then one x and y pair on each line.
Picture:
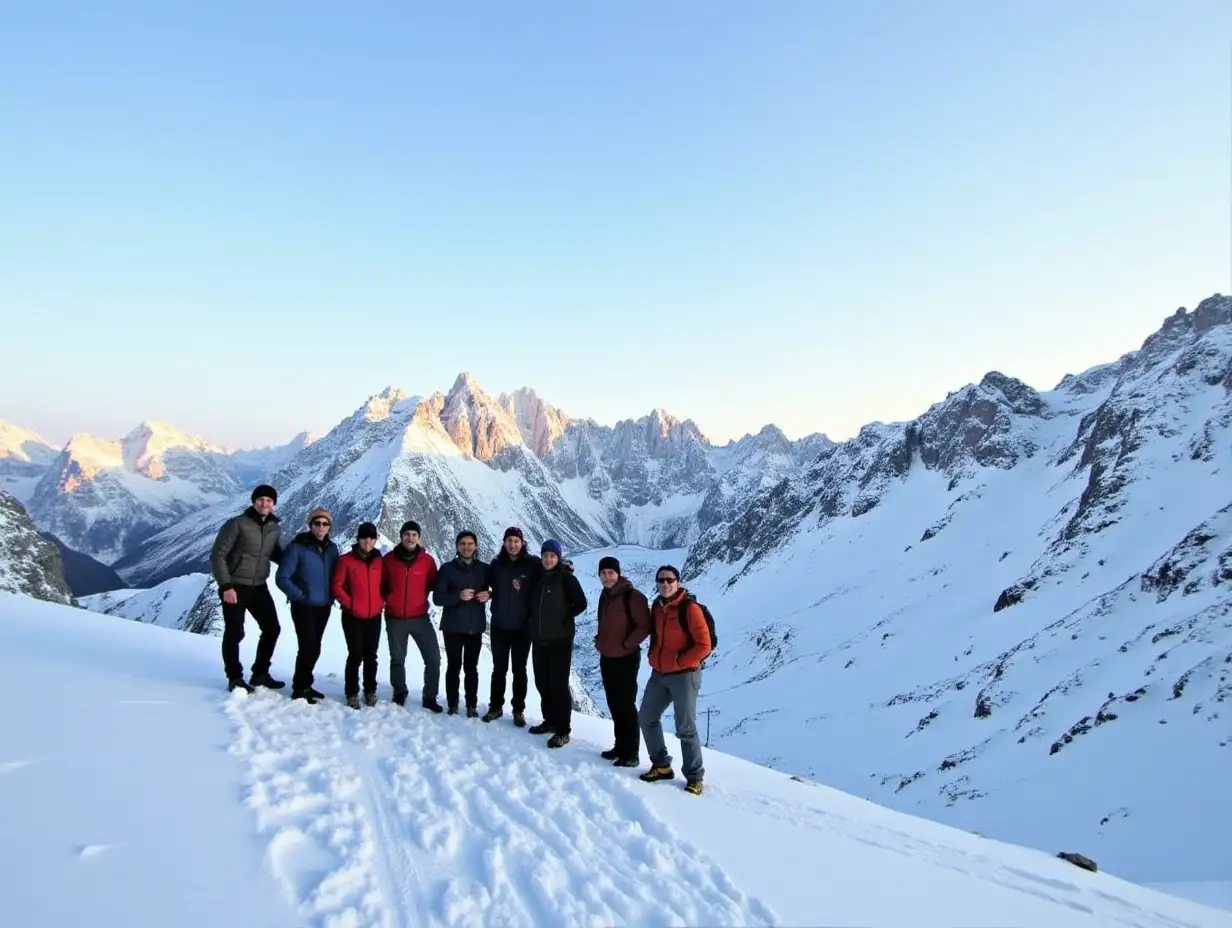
x,y
533,600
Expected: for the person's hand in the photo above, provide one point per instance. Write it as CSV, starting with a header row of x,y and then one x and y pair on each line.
x,y
229,597
483,596
517,584
466,595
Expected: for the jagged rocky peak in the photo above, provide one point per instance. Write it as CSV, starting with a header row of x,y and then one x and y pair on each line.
x,y
979,424
29,563
382,405
476,422
540,423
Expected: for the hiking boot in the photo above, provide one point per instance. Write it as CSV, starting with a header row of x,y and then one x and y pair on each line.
x,y
369,699
519,720
655,774
315,693
610,754
400,700
472,712
237,683
543,728
305,695
432,705
353,702
694,787
264,679
558,740
453,710
492,715
626,762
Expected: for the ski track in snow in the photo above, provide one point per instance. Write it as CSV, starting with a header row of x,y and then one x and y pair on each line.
x,y
394,817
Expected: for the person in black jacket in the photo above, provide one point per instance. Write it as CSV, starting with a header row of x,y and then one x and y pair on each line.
x,y
555,600
462,590
513,572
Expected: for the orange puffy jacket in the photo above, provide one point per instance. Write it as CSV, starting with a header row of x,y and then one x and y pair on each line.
x,y
670,651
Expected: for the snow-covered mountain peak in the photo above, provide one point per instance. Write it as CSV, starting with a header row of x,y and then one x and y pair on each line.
x,y
476,421
381,406
18,444
144,449
85,455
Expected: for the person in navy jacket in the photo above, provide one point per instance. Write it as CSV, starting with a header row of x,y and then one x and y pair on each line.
x,y
305,575
463,590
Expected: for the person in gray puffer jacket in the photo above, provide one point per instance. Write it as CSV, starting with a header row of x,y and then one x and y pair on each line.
x,y
240,561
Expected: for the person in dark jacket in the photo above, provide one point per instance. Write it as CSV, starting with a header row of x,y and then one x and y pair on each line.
x,y
357,586
556,599
306,575
240,561
624,623
462,590
513,573
410,575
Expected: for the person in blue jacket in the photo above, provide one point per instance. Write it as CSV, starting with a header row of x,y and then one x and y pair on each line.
x,y
305,574
462,590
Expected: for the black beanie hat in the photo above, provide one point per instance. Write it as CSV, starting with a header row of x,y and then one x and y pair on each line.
x,y
411,526
609,563
264,490
514,531
466,533
367,530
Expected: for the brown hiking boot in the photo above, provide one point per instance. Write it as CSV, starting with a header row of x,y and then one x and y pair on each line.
x,y
353,702
519,719
369,699
492,715
694,787
655,774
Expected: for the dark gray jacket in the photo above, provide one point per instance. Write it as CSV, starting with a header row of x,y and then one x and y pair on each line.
x,y
555,600
509,604
468,618
243,550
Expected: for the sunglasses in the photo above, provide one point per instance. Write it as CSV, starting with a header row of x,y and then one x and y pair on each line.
x,y
665,579
316,522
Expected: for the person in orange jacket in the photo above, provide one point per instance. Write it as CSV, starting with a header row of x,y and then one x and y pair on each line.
x,y
679,642
357,587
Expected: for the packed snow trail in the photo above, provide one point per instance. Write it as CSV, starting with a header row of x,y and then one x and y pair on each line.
x,y
394,817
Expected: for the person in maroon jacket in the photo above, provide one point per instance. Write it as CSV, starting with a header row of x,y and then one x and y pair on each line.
x,y
410,575
357,587
624,623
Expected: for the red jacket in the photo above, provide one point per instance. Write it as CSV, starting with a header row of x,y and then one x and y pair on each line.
x,y
409,579
357,584
669,648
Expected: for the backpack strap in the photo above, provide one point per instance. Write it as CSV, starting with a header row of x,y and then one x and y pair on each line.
x,y
682,616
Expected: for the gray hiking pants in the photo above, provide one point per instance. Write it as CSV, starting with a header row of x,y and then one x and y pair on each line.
x,y
679,690
424,634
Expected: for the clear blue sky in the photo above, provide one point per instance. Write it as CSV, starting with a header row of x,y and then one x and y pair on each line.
x,y
245,218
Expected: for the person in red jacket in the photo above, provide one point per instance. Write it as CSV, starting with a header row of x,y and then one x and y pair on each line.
x,y
357,587
679,642
410,575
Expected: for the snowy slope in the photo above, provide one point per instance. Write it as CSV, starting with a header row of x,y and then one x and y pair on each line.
x,y
24,457
303,815
29,563
1019,601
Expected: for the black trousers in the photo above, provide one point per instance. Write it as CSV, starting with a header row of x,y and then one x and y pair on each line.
x,y
551,661
363,637
620,686
462,652
257,601
310,622
507,644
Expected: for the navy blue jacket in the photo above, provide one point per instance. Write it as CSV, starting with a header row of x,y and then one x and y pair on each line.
x,y
467,618
307,569
509,604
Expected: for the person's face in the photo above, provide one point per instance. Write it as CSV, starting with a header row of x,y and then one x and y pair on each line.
x,y
550,560
367,544
320,527
608,578
264,505
467,546
410,539
513,544
667,584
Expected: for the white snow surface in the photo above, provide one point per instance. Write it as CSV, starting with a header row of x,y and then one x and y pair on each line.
x,y
137,792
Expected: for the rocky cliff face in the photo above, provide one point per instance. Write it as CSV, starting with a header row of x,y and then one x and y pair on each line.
x,y
29,563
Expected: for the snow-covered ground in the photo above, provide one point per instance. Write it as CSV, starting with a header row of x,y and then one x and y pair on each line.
x,y
134,791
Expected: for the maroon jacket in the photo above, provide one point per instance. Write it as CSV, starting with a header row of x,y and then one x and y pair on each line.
x,y
622,632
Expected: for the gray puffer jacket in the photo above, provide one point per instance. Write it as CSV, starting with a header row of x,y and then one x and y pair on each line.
x,y
243,550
